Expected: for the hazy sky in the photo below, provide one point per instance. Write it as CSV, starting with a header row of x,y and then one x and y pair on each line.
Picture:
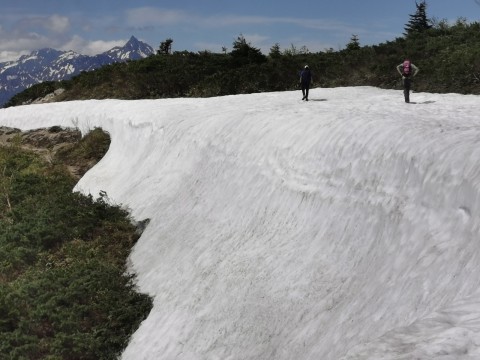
x,y
93,26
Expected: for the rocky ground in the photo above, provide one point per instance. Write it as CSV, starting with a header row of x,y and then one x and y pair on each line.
x,y
46,142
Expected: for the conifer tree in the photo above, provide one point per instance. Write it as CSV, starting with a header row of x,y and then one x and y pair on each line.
x,y
165,47
354,43
275,52
243,52
419,22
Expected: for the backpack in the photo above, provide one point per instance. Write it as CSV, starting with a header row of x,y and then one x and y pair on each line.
x,y
407,68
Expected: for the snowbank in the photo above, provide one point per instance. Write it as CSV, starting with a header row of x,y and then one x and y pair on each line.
x,y
342,228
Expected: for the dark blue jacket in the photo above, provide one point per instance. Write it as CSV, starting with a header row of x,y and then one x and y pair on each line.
x,y
306,77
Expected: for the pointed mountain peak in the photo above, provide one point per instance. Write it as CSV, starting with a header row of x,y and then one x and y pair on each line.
x,y
133,49
132,40
134,43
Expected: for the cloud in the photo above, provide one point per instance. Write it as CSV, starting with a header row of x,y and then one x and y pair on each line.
x,y
57,23
86,47
277,28
150,16
34,32
6,56
29,33
13,46
54,23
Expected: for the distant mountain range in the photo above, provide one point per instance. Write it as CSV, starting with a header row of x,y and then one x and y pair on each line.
x,y
53,65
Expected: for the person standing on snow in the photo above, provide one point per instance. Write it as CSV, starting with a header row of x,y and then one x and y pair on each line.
x,y
407,70
305,81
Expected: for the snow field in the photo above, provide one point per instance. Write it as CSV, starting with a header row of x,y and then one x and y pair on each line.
x,y
342,228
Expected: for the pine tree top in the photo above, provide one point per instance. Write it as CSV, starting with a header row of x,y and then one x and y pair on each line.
x,y
419,22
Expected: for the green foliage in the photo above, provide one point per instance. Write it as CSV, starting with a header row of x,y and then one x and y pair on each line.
x,y
354,43
447,55
275,52
89,150
165,47
35,92
244,53
63,289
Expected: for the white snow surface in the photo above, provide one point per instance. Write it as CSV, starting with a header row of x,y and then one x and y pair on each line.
x,y
342,228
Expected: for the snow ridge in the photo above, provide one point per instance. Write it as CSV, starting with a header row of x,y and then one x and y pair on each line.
x,y
342,228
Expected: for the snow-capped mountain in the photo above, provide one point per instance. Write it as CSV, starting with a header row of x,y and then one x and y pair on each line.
x,y
53,65
132,50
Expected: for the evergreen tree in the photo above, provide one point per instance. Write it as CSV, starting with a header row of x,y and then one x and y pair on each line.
x,y
275,52
245,53
419,22
165,47
354,43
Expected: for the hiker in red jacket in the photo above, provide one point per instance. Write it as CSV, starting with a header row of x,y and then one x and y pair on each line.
x,y
407,70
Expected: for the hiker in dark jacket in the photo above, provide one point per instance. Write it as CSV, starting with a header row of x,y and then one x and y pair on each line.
x,y
407,70
305,81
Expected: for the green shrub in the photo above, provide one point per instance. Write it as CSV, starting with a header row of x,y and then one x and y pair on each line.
x,y
63,289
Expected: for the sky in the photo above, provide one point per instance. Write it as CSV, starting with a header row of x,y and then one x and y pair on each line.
x,y
92,26
342,228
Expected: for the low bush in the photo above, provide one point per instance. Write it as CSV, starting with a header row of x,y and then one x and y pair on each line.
x,y
64,292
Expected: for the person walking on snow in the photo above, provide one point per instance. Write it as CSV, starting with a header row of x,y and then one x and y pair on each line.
x,y
305,81
407,70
